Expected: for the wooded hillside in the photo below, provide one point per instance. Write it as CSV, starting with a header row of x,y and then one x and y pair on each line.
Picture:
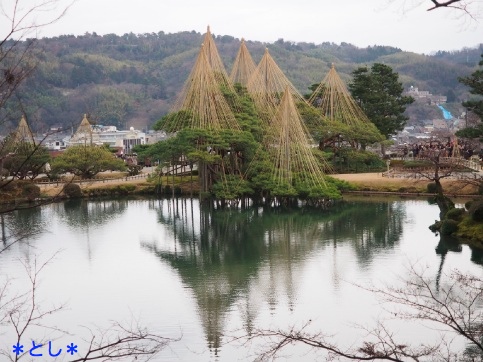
x,y
132,80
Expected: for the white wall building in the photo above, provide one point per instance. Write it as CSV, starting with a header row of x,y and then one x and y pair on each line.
x,y
124,139
107,135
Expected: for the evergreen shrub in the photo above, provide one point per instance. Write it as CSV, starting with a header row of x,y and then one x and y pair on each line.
x,y
432,188
72,190
30,190
476,211
449,226
468,204
455,214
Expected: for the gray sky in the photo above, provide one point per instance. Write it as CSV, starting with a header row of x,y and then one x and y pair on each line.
x,y
360,22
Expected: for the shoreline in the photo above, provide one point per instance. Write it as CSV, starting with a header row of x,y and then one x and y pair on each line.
x,y
364,183
376,183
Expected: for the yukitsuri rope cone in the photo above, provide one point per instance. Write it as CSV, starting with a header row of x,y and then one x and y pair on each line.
x,y
214,60
84,134
335,100
289,143
337,105
23,132
201,103
266,86
244,66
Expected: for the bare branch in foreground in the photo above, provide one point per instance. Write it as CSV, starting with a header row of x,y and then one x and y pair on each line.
x,y
453,310
120,341
380,345
456,306
455,4
117,342
461,8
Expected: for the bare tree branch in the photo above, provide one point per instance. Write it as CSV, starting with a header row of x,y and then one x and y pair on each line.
x,y
22,312
448,4
379,346
466,8
454,309
119,341
21,19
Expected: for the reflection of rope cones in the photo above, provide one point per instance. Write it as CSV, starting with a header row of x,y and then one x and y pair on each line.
x,y
289,142
267,85
244,66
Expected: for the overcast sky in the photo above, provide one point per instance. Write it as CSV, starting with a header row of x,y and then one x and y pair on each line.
x,y
359,22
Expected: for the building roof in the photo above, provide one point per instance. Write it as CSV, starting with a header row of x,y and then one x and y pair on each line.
x,y
84,134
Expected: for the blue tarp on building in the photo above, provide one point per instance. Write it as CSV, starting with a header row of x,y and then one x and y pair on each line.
x,y
446,114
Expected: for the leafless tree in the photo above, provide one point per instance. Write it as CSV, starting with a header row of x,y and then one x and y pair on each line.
x,y
21,21
380,345
469,8
22,313
440,169
456,4
453,310
444,167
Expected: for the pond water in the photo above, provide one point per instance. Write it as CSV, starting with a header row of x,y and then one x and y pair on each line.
x,y
206,277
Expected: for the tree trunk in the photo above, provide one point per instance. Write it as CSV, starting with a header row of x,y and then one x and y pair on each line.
x,y
444,203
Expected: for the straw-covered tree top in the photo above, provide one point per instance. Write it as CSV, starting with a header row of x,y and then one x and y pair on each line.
x,y
267,85
243,67
341,111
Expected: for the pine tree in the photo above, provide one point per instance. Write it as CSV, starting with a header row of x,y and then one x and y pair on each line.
x,y
475,82
379,93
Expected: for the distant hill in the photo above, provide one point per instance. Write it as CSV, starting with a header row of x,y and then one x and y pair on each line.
x,y
132,80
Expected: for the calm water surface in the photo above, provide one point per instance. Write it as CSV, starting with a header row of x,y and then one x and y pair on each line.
x,y
206,276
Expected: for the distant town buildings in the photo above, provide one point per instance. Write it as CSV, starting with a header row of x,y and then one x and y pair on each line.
x,y
435,128
425,96
89,135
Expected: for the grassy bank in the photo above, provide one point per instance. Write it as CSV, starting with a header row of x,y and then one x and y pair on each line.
x,y
165,185
377,183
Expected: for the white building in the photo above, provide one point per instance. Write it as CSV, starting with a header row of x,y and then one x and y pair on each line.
x,y
107,135
126,140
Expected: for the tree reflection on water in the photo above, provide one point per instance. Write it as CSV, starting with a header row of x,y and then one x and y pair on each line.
x,y
221,254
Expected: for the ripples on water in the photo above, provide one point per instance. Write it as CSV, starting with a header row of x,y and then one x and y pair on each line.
x,y
208,275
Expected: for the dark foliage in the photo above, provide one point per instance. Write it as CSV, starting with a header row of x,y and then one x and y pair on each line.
x,y
30,190
72,190
380,95
476,211
455,214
